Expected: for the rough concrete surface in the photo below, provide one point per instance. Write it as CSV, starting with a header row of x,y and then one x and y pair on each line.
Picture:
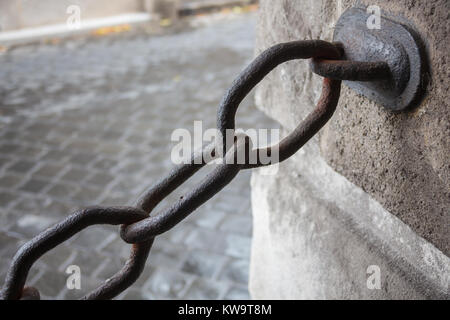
x,y
402,160
316,239
399,161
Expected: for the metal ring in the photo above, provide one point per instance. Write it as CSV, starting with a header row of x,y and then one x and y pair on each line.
x,y
305,130
257,70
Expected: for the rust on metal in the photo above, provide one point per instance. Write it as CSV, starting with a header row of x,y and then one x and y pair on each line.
x,y
169,217
395,43
260,67
50,238
351,70
139,226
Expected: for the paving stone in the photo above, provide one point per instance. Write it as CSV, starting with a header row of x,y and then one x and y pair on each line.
x,y
206,239
54,140
4,162
237,293
165,254
30,152
49,170
22,166
34,185
124,186
117,248
236,271
57,208
87,285
144,277
58,257
88,261
241,224
111,135
207,218
238,246
229,206
100,179
42,205
131,167
8,219
166,283
108,268
111,149
35,273
39,129
50,284
10,244
203,263
7,198
30,203
29,225
205,290
138,154
90,132
116,200
62,190
105,163
81,145
11,135
135,294
9,148
75,175
55,155
82,159
177,234
92,236
136,139
87,195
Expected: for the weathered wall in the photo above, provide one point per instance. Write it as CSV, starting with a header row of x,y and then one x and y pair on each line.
x,y
372,189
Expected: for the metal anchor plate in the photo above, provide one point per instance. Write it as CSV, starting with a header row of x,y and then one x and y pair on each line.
x,y
395,43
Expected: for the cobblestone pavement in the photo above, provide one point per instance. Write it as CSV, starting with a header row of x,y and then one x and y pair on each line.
x,y
88,122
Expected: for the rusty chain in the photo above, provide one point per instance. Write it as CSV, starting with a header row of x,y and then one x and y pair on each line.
x,y
140,228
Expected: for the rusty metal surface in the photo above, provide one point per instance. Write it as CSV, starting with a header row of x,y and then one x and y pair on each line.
x,y
256,71
139,225
395,44
351,70
50,238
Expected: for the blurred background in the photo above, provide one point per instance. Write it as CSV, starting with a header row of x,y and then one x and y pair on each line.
x,y
89,96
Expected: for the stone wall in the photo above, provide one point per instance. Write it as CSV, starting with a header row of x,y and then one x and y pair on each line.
x,y
371,189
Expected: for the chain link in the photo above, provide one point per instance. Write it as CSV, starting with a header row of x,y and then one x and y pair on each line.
x,y
138,226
